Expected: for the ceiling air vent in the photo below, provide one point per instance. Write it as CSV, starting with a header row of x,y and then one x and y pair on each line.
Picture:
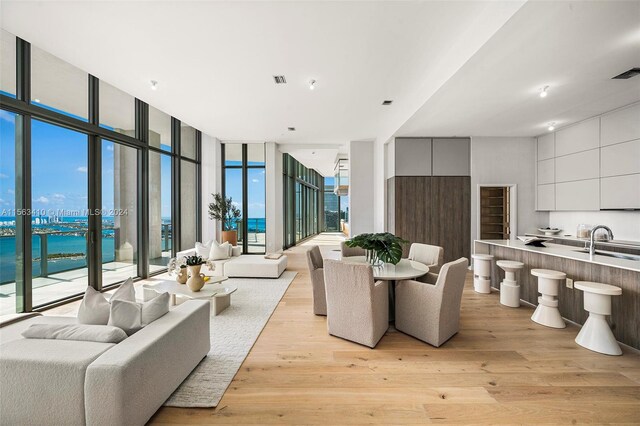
x,y
387,102
627,74
291,129
279,79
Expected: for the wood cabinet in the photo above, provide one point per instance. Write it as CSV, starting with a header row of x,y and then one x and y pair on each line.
x,y
495,223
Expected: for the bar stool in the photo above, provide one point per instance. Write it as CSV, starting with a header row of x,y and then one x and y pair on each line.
x,y
595,334
547,312
509,288
482,273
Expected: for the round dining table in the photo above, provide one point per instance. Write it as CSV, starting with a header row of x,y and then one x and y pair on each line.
x,y
405,270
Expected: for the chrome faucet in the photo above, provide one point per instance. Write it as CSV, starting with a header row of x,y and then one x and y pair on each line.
x,y
592,246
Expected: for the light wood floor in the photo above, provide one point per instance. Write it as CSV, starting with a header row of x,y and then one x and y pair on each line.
x,y
500,368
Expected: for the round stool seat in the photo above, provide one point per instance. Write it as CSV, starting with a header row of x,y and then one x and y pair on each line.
x,y
548,273
598,288
482,256
510,265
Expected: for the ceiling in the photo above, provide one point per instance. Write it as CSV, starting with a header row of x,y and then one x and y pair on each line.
x,y
463,68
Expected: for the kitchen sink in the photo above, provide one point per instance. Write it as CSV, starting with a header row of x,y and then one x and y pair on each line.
x,y
611,254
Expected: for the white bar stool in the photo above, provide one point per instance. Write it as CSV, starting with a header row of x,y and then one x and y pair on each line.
x,y
595,334
509,288
547,312
482,273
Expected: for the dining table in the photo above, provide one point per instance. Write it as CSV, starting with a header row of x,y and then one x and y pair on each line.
x,y
405,270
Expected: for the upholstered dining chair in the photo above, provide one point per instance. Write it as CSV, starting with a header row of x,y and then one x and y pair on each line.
x,y
432,256
429,312
351,251
357,306
316,272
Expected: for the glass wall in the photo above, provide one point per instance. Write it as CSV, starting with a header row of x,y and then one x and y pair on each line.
x,y
331,207
78,185
303,201
244,182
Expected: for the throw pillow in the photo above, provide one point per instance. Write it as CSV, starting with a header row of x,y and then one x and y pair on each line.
x,y
155,308
203,249
94,308
78,332
131,316
220,251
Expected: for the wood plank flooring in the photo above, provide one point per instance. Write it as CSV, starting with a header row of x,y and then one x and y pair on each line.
x,y
500,369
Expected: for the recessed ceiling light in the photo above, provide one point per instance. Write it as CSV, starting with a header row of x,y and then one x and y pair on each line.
x,y
279,79
387,102
543,92
291,129
312,84
552,126
154,85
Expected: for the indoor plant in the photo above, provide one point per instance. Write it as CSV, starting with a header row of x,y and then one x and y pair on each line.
x,y
227,213
196,278
381,247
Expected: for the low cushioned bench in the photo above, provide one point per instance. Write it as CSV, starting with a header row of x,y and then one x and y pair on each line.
x,y
244,266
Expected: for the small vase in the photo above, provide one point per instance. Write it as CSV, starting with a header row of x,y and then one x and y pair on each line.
x,y
372,258
182,276
196,279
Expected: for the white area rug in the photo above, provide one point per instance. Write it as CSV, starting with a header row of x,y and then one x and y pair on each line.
x,y
233,333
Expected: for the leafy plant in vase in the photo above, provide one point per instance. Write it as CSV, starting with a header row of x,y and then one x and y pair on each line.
x,y
196,278
223,210
380,248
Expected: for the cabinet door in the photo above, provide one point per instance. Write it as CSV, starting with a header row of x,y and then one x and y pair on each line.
x,y
579,195
620,159
413,157
579,137
450,218
620,192
546,146
546,197
451,157
621,126
580,166
412,209
546,171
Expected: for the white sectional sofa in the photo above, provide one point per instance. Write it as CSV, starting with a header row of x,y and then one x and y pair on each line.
x,y
244,266
64,382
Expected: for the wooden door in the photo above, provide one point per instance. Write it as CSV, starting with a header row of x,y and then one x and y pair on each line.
x,y
450,215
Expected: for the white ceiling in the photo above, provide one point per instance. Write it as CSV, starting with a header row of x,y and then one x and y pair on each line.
x,y
452,68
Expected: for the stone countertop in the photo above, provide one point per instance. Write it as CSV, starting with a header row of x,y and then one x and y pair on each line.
x,y
614,243
567,252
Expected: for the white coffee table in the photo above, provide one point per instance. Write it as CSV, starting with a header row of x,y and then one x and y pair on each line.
x,y
218,294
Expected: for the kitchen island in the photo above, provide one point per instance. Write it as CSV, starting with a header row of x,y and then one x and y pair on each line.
x,y
579,266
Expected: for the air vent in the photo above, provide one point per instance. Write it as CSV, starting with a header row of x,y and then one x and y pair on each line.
x,y
291,129
387,102
627,74
279,79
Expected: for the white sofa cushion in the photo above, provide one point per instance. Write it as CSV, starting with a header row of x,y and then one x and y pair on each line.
x,y
204,249
220,251
95,308
78,332
132,316
255,266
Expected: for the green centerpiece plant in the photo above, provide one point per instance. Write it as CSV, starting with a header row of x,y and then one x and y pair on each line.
x,y
380,247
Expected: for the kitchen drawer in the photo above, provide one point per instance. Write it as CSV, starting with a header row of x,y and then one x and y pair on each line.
x,y
579,137
546,171
621,126
579,195
546,146
620,192
620,159
546,197
580,166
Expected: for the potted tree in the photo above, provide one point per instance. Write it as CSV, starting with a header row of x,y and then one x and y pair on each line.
x,y
227,213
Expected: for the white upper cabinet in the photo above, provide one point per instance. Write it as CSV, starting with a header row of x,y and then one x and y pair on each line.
x,y
579,166
412,157
621,126
620,192
579,137
546,146
451,157
580,195
546,171
620,159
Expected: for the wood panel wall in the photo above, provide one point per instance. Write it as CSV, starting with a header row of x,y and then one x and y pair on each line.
x,y
625,317
433,210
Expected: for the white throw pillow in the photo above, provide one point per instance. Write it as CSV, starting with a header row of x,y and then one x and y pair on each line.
x,y
94,308
79,332
220,251
236,251
131,316
203,249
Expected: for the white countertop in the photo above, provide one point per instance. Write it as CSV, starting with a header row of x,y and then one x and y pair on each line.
x,y
567,252
613,243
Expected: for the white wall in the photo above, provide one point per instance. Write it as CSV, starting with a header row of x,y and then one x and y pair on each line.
x,y
362,180
379,186
273,181
211,183
624,224
500,160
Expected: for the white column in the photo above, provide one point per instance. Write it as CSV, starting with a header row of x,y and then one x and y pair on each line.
x,y
211,183
361,187
273,181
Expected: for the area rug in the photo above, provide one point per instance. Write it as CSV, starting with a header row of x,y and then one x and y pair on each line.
x,y
233,333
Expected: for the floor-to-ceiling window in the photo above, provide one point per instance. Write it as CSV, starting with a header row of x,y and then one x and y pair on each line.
x,y
95,185
244,183
331,207
303,201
